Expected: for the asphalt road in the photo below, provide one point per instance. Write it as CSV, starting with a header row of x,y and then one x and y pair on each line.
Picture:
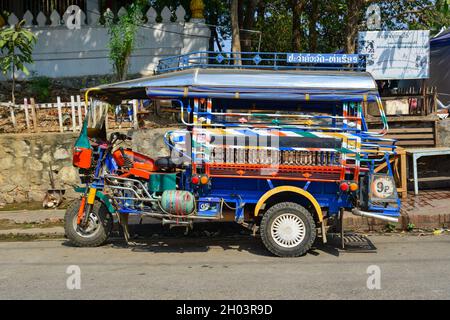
x,y
411,267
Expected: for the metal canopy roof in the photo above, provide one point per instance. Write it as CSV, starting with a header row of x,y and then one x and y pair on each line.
x,y
252,84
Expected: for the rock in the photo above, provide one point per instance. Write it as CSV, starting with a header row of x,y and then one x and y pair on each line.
x,y
19,197
71,194
7,149
4,188
46,157
35,177
7,162
61,154
37,149
21,148
33,164
36,195
68,175
19,163
7,198
18,179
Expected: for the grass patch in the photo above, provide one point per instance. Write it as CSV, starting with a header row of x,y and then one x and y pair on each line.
x,y
34,205
28,237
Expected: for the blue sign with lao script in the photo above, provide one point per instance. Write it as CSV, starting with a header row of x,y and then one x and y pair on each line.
x,y
322,58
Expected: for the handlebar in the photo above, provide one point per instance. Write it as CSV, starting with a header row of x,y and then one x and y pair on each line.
x,y
118,136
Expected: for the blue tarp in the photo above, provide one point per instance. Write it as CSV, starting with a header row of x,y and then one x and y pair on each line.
x,y
440,65
442,39
439,68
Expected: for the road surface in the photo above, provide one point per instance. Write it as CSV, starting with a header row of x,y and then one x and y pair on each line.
x,y
411,267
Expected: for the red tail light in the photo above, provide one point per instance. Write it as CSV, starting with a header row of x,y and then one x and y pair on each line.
x,y
82,157
195,180
344,186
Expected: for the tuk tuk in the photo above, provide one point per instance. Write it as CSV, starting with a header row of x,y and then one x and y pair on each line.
x,y
278,144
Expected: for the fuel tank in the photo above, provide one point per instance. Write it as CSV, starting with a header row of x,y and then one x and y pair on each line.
x,y
178,202
134,160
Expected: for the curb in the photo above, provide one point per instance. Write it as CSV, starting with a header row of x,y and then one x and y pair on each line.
x,y
420,221
351,223
53,231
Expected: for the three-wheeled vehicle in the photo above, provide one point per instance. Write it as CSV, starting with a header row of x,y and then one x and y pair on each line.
x,y
278,145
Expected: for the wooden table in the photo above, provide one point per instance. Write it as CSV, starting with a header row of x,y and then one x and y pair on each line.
x,y
423,152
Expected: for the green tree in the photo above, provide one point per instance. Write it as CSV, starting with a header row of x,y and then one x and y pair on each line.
x,y
235,40
414,15
297,12
217,15
16,46
275,24
122,35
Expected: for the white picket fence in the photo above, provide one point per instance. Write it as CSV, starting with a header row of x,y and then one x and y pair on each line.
x,y
63,116
68,45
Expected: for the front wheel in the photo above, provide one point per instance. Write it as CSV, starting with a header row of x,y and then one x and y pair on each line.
x,y
98,228
288,229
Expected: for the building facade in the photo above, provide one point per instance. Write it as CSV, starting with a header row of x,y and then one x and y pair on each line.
x,y
75,43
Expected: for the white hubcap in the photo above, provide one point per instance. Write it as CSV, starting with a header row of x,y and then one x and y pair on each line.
x,y
288,230
91,228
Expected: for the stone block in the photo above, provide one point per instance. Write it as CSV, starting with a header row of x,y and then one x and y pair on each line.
x,y
20,148
68,176
61,154
36,195
7,162
33,164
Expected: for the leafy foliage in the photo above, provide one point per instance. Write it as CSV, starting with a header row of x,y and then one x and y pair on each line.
x,y
276,27
40,86
415,15
331,21
410,227
16,46
390,227
122,35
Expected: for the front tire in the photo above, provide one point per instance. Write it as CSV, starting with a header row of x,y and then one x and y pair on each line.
x,y
98,229
288,229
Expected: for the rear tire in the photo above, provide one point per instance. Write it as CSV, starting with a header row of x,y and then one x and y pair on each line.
x,y
288,229
99,226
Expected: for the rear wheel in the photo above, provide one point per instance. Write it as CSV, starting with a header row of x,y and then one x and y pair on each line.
x,y
288,229
98,227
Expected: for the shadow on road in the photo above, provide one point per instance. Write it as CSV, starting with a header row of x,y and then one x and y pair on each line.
x,y
225,235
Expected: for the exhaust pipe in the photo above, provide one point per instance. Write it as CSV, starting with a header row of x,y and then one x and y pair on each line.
x,y
174,222
366,214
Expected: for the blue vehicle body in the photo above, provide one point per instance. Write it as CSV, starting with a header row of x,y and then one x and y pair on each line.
x,y
274,130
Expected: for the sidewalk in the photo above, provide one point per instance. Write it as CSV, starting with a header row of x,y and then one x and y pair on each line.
x,y
34,224
34,216
428,211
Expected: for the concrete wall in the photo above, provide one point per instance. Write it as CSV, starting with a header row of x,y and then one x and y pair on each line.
x,y
26,159
65,49
443,129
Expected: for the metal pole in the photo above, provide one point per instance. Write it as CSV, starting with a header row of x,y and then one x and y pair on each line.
x,y
135,109
60,120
